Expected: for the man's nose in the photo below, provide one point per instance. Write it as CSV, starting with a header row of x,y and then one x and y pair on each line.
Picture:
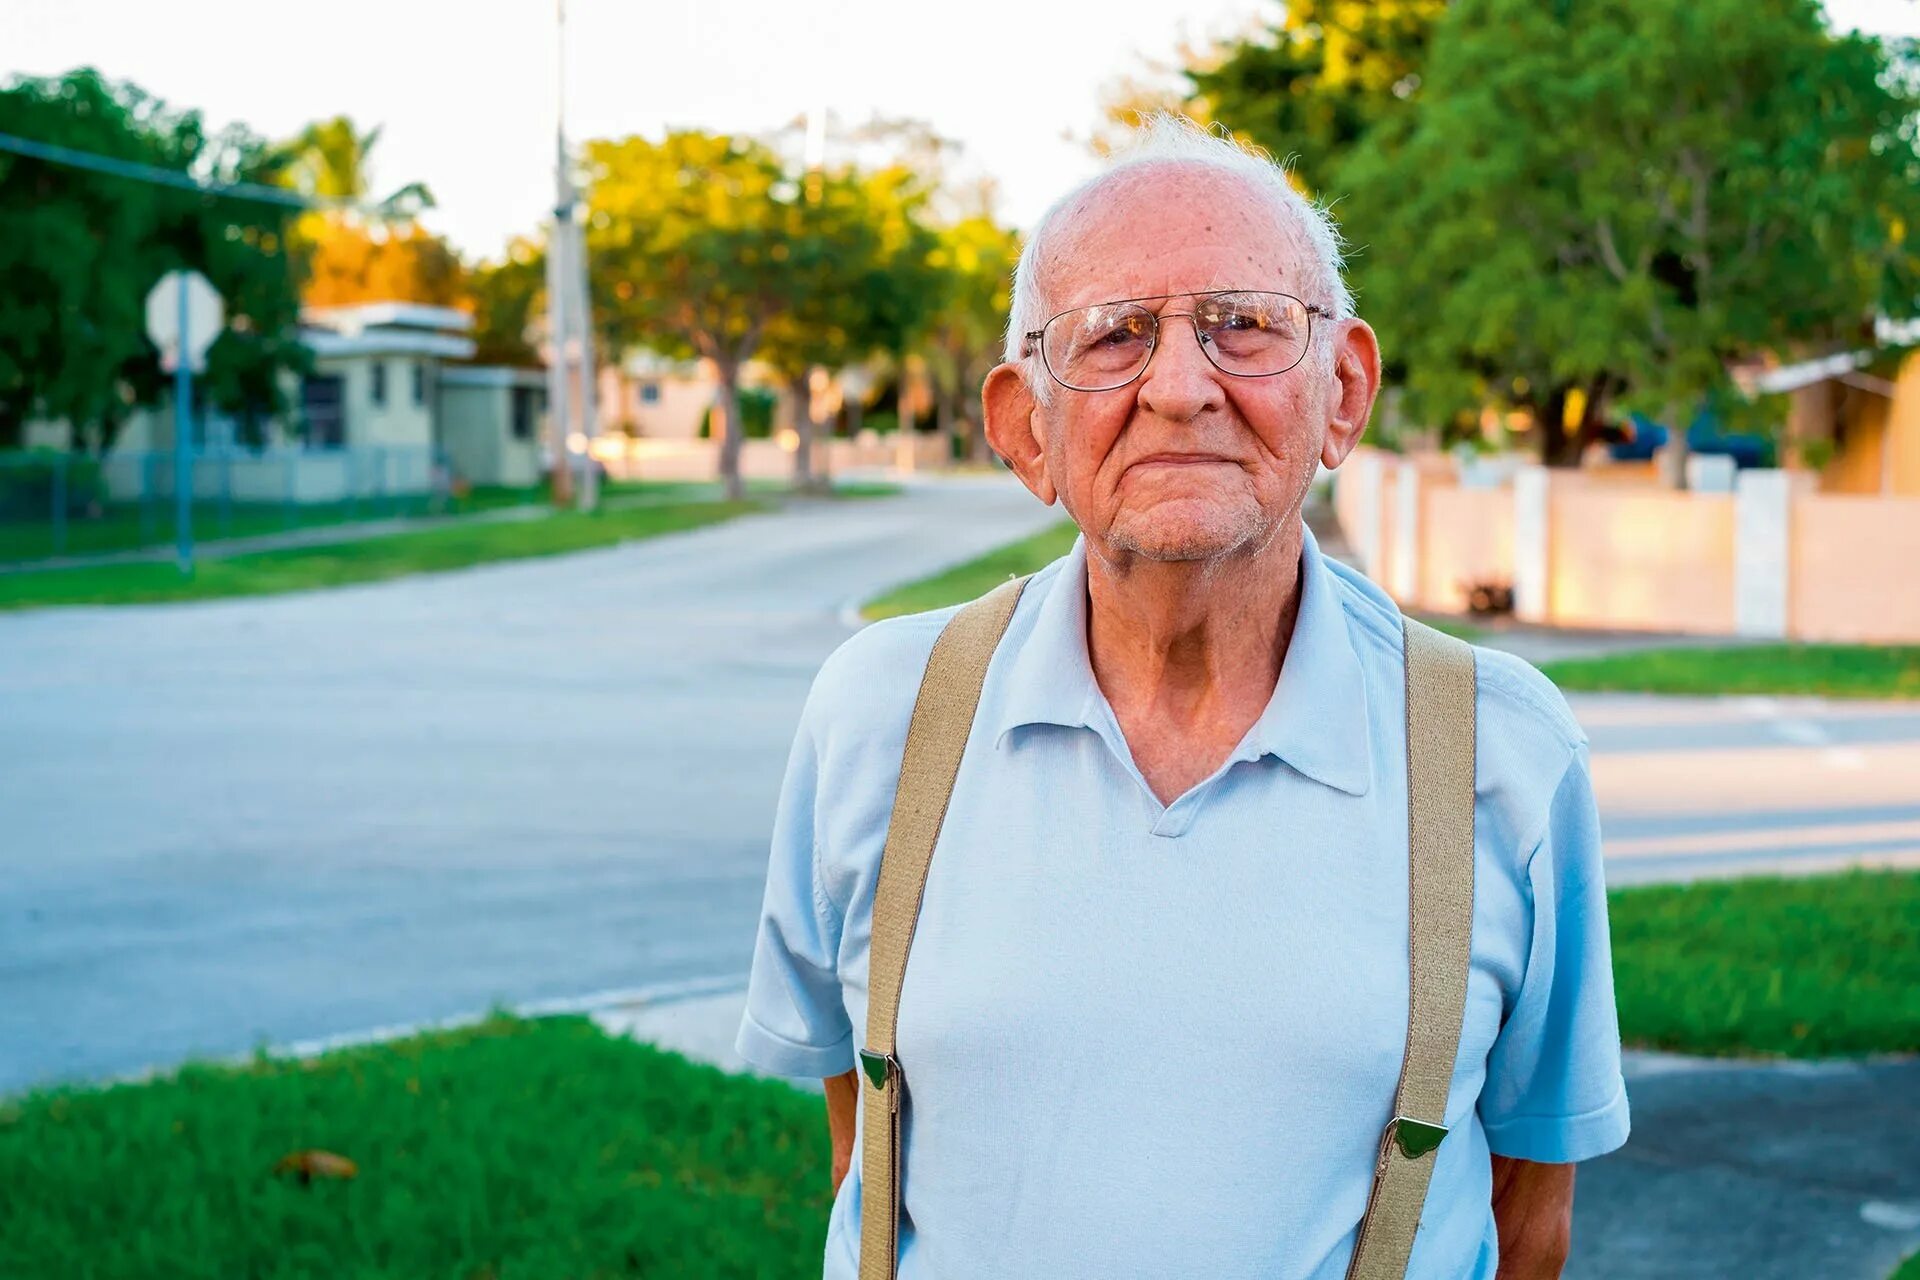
x,y
1180,382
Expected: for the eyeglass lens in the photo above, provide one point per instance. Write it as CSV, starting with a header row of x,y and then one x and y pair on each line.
x,y
1106,345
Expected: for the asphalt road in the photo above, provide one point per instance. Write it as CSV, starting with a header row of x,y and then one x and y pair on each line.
x,y
277,819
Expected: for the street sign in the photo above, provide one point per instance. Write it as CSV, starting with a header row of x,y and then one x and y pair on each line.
x,y
189,323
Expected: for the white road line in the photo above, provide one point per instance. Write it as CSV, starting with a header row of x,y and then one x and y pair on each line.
x,y
1768,838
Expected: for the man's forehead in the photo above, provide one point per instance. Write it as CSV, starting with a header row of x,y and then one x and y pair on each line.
x,y
1172,229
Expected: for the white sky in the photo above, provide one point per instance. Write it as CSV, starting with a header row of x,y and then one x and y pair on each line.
x,y
465,88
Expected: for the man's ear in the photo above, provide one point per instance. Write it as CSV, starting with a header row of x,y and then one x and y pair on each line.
x,y
1013,432
1356,381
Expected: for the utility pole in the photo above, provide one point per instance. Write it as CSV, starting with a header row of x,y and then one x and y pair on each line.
x,y
571,403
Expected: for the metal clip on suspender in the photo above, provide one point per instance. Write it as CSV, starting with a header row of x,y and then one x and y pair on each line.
x,y
1440,753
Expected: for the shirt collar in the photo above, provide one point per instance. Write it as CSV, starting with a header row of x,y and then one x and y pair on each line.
x,y
1317,720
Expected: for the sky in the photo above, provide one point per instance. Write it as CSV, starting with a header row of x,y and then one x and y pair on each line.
x,y
465,90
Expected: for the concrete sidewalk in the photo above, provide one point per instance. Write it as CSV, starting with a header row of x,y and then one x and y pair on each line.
x,y
1761,1171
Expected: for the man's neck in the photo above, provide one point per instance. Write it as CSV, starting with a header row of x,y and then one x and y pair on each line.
x,y
1195,647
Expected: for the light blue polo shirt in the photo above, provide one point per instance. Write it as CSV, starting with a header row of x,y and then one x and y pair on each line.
x,y
1163,1041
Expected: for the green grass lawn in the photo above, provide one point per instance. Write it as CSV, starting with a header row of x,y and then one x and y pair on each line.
x,y
975,577
1909,1270
1826,670
542,1149
1806,967
513,1150
453,546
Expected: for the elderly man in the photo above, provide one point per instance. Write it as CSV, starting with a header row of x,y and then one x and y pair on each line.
x,y
1156,1020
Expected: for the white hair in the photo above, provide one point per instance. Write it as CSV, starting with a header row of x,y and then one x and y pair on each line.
x,y
1167,139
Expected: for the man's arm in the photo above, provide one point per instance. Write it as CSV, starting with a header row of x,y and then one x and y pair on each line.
x,y
1533,1209
843,1099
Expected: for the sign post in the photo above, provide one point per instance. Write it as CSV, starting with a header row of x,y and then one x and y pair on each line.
x,y
184,316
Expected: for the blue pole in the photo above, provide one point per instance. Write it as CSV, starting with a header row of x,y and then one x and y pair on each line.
x,y
182,444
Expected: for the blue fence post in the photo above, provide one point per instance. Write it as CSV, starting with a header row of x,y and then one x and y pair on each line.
x,y
286,490
147,532
226,492
59,503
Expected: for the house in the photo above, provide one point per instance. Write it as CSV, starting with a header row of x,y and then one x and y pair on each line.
x,y
1854,416
493,423
364,420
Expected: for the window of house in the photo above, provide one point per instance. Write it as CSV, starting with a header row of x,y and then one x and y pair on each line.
x,y
649,393
419,381
323,411
528,402
379,382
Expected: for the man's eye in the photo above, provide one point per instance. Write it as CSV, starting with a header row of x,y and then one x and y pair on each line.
x,y
1239,321
1123,332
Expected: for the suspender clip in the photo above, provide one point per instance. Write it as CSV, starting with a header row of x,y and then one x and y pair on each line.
x,y
1415,1137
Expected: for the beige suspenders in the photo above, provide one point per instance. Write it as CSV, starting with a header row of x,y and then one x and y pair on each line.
x,y
1440,752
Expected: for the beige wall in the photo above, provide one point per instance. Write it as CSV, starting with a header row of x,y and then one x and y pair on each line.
x,y
1466,536
1640,560
759,459
398,423
1855,568
1639,557
476,434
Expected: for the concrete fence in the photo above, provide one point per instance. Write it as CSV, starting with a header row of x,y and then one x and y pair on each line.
x,y
1772,558
644,459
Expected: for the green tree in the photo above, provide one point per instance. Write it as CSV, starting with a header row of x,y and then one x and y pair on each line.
x,y
1611,199
975,259
506,298
864,279
1315,82
79,251
697,246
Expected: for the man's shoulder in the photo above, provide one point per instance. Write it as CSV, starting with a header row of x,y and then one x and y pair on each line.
x,y
872,678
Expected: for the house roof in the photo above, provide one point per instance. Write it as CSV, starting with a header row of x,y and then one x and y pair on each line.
x,y
385,342
387,315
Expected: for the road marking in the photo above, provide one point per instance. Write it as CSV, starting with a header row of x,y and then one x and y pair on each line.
x,y
1894,1217
1766,839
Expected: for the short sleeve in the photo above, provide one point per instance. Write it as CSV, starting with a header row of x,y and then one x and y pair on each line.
x,y
1554,1091
795,1022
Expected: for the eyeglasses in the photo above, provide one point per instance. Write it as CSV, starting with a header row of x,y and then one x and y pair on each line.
x,y
1246,334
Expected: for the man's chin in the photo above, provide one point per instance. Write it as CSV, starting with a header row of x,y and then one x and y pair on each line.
x,y
1173,536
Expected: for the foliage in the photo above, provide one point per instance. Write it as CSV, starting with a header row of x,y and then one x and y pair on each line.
x,y
1317,82
757,406
507,299
80,251
509,1148
1804,967
1614,198
349,255
698,248
975,259
349,263
863,280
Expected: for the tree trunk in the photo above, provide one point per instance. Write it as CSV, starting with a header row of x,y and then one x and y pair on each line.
x,y
947,418
1673,458
804,427
731,432
1550,416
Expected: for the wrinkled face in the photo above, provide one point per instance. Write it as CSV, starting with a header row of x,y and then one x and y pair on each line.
x,y
1186,462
